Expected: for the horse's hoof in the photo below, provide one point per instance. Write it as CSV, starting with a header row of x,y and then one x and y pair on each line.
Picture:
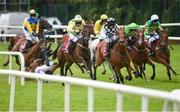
x,y
175,73
152,78
4,65
128,78
104,72
118,82
112,78
88,71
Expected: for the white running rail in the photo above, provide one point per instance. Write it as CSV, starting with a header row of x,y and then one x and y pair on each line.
x,y
22,67
173,96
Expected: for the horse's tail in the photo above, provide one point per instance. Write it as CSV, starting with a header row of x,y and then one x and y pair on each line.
x,y
55,53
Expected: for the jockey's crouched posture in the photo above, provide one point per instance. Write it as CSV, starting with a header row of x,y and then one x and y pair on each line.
x,y
131,32
30,28
109,33
75,28
151,28
99,24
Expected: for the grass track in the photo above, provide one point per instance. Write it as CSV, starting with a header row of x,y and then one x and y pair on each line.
x,y
53,93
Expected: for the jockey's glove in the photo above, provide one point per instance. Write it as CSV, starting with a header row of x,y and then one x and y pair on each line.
x,y
77,31
33,33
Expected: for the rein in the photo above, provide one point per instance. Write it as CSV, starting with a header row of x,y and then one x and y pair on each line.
x,y
119,54
138,49
80,45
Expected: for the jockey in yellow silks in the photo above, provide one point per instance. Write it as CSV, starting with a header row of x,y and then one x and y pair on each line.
x,y
75,28
30,28
99,24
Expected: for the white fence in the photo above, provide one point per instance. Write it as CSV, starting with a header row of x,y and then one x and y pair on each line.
x,y
22,66
173,96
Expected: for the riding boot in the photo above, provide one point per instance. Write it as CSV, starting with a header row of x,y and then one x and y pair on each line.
x,y
151,50
27,45
71,47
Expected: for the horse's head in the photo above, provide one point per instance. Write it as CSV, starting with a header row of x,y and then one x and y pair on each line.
x,y
87,31
140,43
164,37
43,24
121,36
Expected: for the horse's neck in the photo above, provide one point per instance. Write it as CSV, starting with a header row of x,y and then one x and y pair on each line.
x,y
161,48
40,33
119,48
35,49
82,43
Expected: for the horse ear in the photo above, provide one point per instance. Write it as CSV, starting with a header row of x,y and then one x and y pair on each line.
x,y
142,29
166,29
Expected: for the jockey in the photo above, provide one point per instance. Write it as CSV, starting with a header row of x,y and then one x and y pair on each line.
x,y
75,28
30,28
131,31
99,24
108,33
46,68
151,28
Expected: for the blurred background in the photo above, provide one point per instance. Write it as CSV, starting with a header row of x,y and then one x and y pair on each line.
x,y
124,11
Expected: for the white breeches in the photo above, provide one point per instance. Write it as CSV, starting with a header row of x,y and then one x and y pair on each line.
x,y
42,69
109,40
30,37
74,38
153,37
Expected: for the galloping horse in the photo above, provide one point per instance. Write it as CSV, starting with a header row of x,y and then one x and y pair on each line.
x,y
34,50
80,54
119,57
162,52
139,55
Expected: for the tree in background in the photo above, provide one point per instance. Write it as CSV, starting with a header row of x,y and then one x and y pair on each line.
x,y
125,11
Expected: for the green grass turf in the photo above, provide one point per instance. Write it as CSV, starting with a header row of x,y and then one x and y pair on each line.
x,y
53,93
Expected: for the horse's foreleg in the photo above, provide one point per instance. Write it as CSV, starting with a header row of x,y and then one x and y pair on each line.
x,y
67,68
104,68
113,77
153,67
89,67
6,63
99,61
136,73
95,68
119,75
142,72
173,71
81,68
17,60
144,66
129,77
168,67
168,73
62,63
71,71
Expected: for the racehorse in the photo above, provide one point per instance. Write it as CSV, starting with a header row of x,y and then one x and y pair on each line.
x,y
162,52
16,42
119,57
80,54
139,55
